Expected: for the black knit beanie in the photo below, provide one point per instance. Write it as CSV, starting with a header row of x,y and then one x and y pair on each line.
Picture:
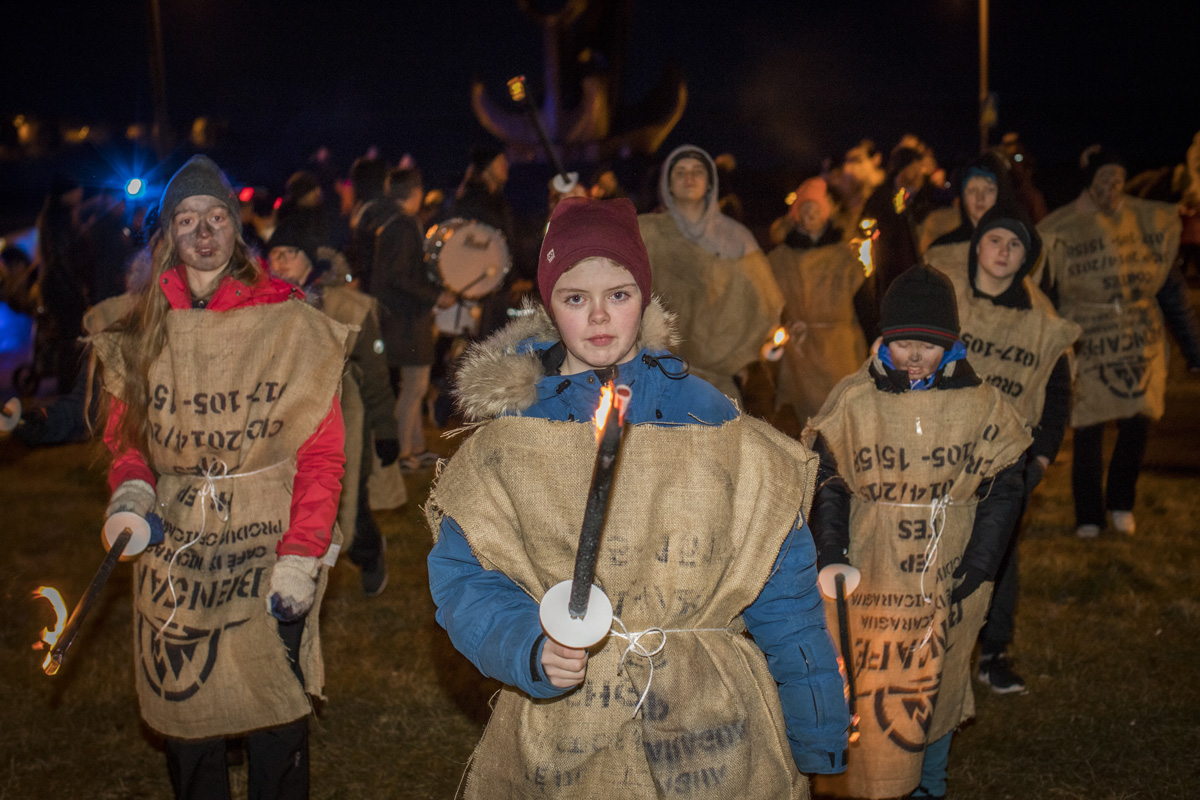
x,y
293,232
920,305
200,175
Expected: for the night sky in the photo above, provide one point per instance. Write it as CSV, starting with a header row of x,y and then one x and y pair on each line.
x,y
780,85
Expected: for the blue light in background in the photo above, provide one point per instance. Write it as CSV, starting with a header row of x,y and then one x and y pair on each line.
x,y
136,187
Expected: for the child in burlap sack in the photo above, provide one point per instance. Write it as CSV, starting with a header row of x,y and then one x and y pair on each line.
x,y
921,482
227,442
704,542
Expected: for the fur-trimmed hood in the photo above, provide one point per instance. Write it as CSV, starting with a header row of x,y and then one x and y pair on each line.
x,y
500,375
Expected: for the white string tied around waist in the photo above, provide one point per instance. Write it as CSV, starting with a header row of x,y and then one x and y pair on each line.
x,y
937,524
637,648
208,491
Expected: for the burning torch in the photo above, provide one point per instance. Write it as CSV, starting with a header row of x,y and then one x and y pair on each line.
x,y
563,181
576,613
127,535
837,581
61,637
773,349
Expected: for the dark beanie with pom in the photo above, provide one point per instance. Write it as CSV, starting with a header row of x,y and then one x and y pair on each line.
x,y
920,305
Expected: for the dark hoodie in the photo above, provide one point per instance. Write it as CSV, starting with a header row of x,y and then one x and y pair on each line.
x,y
993,164
1050,429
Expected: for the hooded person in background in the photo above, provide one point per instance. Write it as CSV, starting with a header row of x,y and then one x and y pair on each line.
x,y
982,184
1110,266
366,395
819,274
227,443
1002,313
710,272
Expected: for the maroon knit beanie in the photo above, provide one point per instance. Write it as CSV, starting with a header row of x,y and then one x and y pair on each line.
x,y
580,228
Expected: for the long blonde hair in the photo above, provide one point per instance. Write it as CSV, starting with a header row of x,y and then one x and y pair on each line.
x,y
145,335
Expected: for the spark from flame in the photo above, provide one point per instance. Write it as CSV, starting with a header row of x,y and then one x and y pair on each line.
x,y
50,637
791,198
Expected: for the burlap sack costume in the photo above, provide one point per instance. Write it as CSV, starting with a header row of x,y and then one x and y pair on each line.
x,y
1013,349
726,308
826,343
697,518
233,397
912,462
1108,269
951,261
350,308
108,311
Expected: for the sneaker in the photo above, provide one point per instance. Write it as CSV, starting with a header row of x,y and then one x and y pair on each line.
x,y
375,574
1123,522
409,464
1087,531
428,458
994,671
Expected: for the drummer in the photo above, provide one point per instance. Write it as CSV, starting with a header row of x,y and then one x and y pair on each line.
x,y
401,284
481,198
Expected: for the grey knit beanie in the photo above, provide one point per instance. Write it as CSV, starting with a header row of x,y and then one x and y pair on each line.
x,y
199,176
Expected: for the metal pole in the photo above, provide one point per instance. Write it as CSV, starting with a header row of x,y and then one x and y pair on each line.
x,y
983,73
158,83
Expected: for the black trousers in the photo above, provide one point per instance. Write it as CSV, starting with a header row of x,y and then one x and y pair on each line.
x,y
1087,470
278,757
1000,623
367,543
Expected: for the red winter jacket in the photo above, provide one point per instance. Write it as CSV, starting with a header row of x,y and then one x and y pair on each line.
x,y
320,462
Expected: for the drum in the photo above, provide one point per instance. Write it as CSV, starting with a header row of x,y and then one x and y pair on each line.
x,y
470,259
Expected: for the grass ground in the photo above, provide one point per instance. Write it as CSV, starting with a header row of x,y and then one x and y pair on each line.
x,y
1108,640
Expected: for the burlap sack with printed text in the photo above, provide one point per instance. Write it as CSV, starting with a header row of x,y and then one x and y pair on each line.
x,y
1108,269
912,462
232,398
727,308
697,517
826,343
1013,349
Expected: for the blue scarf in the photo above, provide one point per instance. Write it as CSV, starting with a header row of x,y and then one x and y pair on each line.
x,y
955,353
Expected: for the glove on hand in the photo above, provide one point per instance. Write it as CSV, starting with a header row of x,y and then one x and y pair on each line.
x,y
831,555
136,497
972,577
388,451
293,587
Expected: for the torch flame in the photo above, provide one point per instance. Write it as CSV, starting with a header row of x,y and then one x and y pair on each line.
x,y
780,338
516,88
864,255
50,637
606,401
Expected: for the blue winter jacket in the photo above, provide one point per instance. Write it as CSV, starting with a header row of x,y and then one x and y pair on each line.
x,y
495,624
